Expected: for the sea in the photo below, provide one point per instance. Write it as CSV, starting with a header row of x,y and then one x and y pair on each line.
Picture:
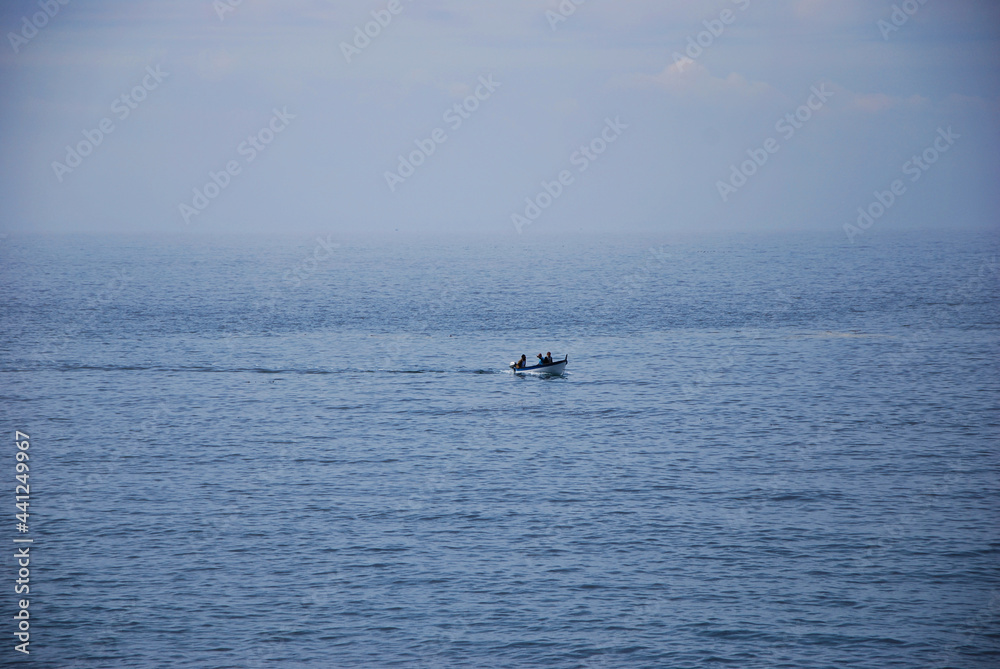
x,y
768,451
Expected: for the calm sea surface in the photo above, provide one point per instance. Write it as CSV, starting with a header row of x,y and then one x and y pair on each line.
x,y
768,452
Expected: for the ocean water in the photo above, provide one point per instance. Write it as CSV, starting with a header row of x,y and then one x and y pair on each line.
x,y
767,452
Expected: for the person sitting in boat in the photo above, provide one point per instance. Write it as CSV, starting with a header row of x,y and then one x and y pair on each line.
x,y
523,362
541,359
547,360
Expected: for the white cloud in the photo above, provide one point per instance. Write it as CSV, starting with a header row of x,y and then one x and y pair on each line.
x,y
879,102
690,79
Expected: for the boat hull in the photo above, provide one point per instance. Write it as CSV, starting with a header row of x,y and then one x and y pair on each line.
x,y
555,369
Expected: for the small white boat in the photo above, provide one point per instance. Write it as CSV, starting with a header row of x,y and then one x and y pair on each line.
x,y
554,368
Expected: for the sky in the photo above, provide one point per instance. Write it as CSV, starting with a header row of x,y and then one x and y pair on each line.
x,y
507,117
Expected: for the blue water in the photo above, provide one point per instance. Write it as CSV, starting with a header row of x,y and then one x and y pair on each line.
x,y
768,452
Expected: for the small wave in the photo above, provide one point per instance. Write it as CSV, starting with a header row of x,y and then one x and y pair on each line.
x,y
830,334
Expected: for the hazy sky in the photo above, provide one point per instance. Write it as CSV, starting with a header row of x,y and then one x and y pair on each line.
x,y
312,131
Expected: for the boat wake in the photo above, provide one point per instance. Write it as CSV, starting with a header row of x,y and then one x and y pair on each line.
x,y
199,369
